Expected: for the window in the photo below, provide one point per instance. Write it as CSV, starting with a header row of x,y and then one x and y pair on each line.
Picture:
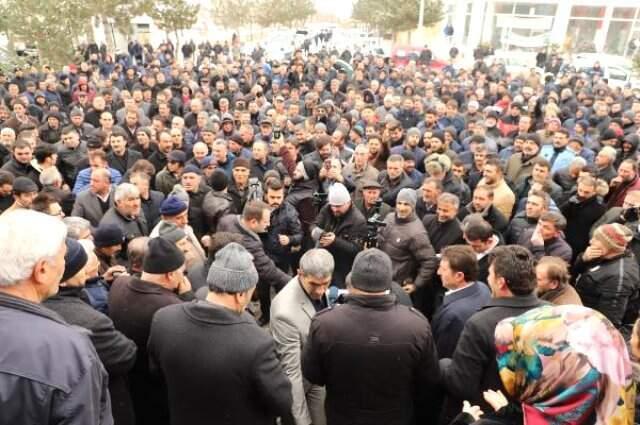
x,y
504,8
587,12
624,12
617,37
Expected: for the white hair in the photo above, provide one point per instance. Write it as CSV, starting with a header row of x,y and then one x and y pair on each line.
x,y
125,190
49,176
317,263
76,226
88,245
27,237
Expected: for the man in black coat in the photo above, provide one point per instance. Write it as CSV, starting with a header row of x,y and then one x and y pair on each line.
x,y
234,373
443,227
472,368
285,230
378,367
581,211
482,203
162,283
117,352
255,220
121,158
340,228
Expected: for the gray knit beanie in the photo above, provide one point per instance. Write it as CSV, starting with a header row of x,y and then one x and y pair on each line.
x,y
408,195
372,271
233,270
171,232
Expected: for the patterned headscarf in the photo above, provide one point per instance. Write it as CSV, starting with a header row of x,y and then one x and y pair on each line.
x,y
566,364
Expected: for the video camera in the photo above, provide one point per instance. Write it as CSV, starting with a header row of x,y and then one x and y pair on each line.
x,y
374,223
319,199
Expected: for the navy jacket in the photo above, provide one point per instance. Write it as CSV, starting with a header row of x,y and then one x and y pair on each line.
x,y
456,309
49,370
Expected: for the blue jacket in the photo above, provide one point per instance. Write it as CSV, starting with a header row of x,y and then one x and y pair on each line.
x,y
563,159
50,372
456,309
83,180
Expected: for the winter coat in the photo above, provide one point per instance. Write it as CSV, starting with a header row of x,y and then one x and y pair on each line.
x,y
456,309
503,198
396,359
555,247
123,163
50,372
350,230
580,217
197,218
472,368
491,215
444,234
267,270
390,189
131,228
235,360
284,221
215,206
519,224
518,169
610,286
135,323
117,352
407,244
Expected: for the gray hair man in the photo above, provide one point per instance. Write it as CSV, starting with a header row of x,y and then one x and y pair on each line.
x,y
291,313
32,262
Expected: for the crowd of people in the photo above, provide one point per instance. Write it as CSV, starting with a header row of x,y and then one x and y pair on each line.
x,y
240,241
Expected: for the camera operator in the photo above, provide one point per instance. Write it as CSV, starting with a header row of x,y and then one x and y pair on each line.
x,y
367,204
405,240
340,229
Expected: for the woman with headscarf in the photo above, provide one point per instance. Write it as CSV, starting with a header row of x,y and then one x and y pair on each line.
x,y
560,365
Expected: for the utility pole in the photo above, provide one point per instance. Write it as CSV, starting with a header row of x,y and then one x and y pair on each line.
x,y
421,15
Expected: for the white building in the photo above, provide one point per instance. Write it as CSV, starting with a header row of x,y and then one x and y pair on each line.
x,y
580,25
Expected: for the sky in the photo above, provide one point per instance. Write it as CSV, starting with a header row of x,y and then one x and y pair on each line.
x,y
342,8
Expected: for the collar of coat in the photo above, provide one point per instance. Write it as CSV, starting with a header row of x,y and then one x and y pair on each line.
x,y
380,302
206,312
29,307
530,300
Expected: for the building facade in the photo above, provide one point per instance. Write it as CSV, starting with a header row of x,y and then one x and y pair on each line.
x,y
580,26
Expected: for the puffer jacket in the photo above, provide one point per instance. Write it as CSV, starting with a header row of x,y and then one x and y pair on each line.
x,y
284,221
215,206
610,286
407,244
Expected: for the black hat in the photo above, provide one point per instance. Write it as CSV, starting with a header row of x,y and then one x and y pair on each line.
x,y
372,271
24,185
408,156
94,142
177,156
107,235
608,134
74,260
218,180
161,257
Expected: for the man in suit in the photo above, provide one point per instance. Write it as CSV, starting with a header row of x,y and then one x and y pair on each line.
x,y
92,204
458,271
291,313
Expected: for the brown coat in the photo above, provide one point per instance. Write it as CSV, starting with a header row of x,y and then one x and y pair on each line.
x,y
563,296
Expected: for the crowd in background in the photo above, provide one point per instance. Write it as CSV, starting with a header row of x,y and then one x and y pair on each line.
x,y
228,239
